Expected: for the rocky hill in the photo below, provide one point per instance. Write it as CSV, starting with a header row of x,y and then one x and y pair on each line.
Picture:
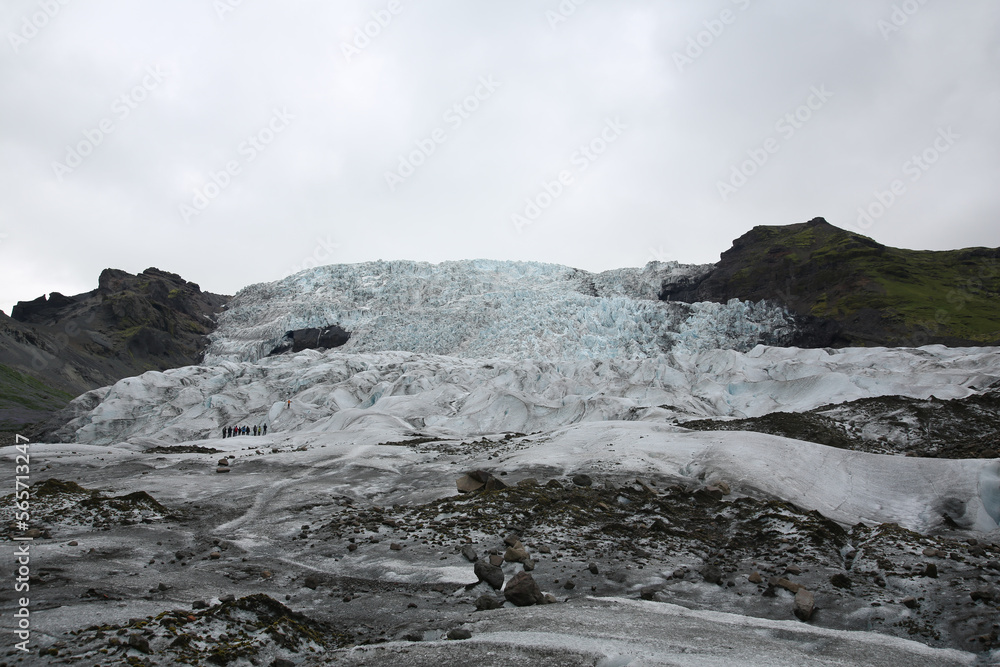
x,y
57,347
850,290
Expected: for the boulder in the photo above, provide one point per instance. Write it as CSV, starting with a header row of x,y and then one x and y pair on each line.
x,y
469,553
486,602
512,540
468,484
841,580
582,480
712,574
459,633
139,643
491,574
516,555
494,484
805,604
523,591
781,582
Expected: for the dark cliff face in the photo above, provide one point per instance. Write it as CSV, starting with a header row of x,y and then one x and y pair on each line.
x,y
847,289
55,348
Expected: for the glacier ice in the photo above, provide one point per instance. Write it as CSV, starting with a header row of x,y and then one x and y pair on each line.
x,y
485,308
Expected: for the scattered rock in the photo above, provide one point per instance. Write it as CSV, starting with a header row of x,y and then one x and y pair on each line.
x,y
841,580
73,543
712,574
227,598
793,570
221,469
781,582
523,591
755,578
528,481
805,603
199,604
528,564
395,546
496,560
582,480
486,602
472,481
512,540
516,555
931,552
569,585
543,549
494,484
139,643
469,553
312,581
593,568
223,462
648,592
459,633
491,574
986,595
909,602
553,484
215,555
931,570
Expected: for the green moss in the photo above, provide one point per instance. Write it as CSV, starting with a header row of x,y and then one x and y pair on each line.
x,y
20,389
832,273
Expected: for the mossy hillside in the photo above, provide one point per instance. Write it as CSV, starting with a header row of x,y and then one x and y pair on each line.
x,y
23,390
881,295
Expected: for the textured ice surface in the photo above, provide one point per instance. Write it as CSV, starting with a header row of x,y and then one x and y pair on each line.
x,y
461,397
610,632
484,308
583,406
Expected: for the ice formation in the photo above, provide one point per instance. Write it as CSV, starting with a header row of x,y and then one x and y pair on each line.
x,y
483,308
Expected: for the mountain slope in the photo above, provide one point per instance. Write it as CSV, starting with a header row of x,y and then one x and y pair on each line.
x,y
855,291
54,348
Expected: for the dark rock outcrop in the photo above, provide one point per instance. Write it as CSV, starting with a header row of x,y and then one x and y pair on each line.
x,y
311,339
57,347
847,289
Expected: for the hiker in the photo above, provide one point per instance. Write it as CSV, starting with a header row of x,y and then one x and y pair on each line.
x,y
255,429
223,433
265,429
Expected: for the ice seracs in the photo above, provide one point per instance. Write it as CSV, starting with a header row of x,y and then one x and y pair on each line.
x,y
485,308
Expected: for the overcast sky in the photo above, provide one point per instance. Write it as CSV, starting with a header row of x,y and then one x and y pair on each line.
x,y
237,141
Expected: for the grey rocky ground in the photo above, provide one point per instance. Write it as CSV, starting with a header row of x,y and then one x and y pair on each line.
x,y
270,562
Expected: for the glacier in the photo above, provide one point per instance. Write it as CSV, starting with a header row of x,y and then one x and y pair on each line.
x,y
486,308
531,372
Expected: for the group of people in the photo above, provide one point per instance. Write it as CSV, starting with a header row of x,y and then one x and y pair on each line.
x,y
231,431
